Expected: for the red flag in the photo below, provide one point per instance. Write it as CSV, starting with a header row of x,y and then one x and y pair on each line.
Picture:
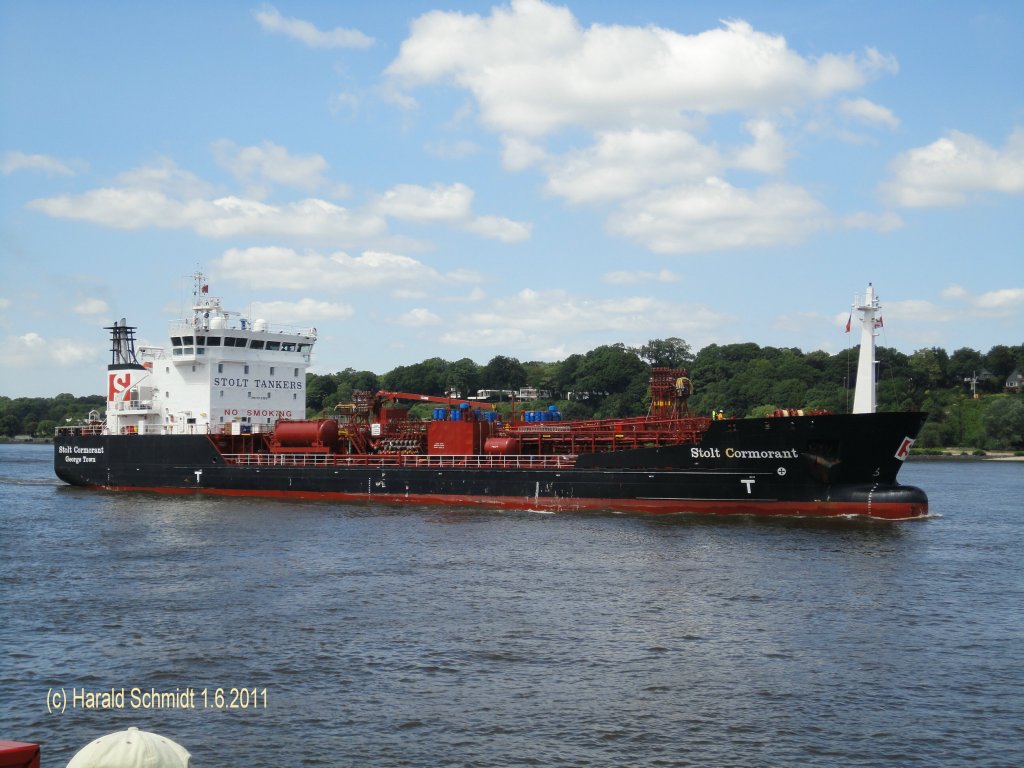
x,y
848,321
205,289
879,323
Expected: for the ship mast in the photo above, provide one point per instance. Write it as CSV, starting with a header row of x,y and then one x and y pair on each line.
x,y
864,394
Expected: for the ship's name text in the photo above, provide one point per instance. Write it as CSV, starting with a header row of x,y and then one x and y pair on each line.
x,y
234,381
735,453
78,454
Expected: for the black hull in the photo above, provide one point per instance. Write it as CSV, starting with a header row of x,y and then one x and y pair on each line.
x,y
820,465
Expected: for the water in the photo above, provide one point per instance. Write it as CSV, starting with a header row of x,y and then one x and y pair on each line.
x,y
419,636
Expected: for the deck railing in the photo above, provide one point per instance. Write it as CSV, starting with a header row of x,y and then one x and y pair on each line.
x,y
383,461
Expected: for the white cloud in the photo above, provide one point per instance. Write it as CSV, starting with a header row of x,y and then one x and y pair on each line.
x,y
32,350
1002,301
166,178
533,69
285,269
622,164
917,310
418,317
451,204
92,306
304,310
949,170
798,322
768,152
5,304
452,150
416,203
880,222
500,228
20,161
716,216
644,95
271,20
518,154
868,112
165,197
136,208
626,278
256,166
529,320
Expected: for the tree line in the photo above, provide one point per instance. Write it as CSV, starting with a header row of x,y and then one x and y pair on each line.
x,y
741,379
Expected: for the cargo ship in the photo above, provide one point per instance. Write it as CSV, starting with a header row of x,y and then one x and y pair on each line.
x,y
221,410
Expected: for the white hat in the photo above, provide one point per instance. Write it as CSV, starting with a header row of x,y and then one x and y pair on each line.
x,y
132,749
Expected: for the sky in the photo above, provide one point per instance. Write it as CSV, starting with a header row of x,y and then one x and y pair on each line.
x,y
468,179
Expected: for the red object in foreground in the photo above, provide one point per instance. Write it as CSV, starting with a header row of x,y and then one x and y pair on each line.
x,y
17,754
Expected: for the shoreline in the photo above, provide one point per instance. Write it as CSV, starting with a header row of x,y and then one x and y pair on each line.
x,y
949,455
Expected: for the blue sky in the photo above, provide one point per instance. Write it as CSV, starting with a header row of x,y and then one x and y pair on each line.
x,y
531,179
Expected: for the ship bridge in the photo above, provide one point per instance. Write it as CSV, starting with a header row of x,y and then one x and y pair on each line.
x,y
220,372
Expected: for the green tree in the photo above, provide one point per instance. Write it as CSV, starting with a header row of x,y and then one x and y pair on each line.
x,y
964,363
928,367
1001,361
464,377
503,372
609,369
672,352
1004,422
427,378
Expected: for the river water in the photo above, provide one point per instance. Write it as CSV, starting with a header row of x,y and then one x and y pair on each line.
x,y
428,636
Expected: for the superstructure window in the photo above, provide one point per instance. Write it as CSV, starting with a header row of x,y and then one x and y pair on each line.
x,y
175,341
256,344
273,346
287,346
213,341
233,341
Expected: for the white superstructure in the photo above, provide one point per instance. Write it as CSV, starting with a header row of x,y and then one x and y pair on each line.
x,y
870,320
220,372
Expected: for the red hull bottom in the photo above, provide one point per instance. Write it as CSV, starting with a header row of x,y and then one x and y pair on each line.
x,y
892,511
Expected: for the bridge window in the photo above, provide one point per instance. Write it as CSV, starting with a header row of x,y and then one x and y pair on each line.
x,y
273,346
256,344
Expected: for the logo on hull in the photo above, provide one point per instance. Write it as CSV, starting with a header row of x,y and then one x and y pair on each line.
x,y
904,449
